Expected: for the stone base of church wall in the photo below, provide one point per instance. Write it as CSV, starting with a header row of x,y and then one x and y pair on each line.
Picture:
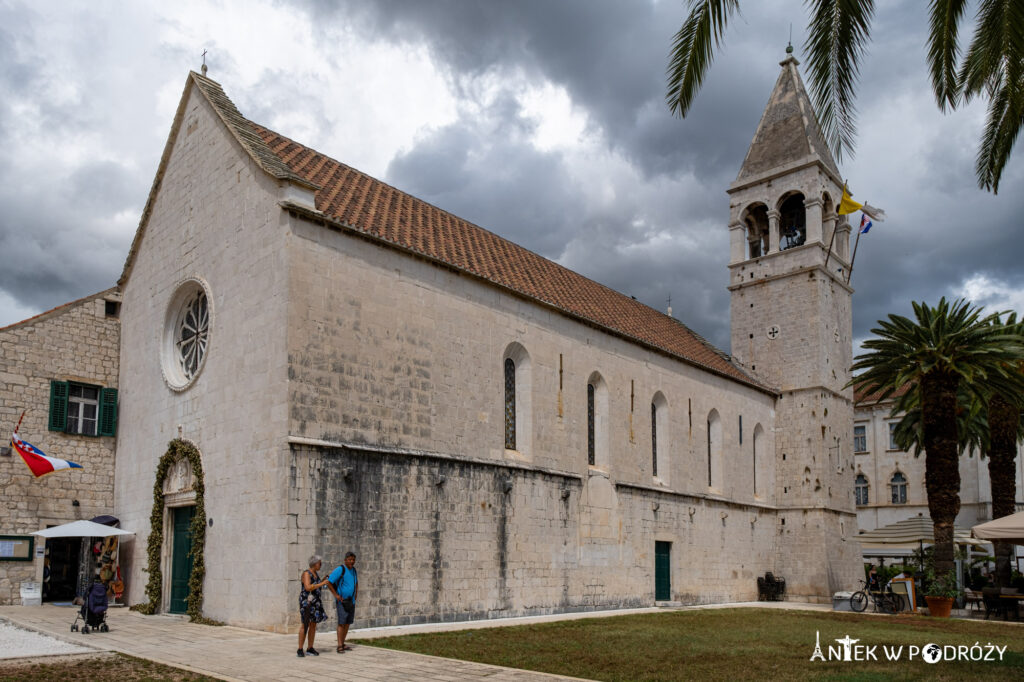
x,y
440,539
818,554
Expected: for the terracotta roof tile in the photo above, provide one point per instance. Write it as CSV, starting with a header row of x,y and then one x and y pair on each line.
x,y
381,211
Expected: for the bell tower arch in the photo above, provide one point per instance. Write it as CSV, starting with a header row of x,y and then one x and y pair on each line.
x,y
791,322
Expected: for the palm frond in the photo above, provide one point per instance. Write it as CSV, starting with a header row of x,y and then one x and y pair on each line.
x,y
944,50
994,67
837,35
983,62
692,50
1002,127
951,338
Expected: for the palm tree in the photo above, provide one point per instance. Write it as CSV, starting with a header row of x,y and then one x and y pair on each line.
x,y
946,349
838,33
992,426
1006,429
1004,419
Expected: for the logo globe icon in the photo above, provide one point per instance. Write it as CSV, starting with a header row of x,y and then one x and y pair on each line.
x,y
932,653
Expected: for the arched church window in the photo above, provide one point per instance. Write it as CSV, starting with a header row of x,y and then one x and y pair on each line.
x,y
597,421
654,438
714,450
591,435
898,484
758,447
659,437
756,220
510,404
792,222
518,410
861,489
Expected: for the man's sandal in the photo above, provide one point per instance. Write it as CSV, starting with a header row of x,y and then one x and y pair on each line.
x,y
341,650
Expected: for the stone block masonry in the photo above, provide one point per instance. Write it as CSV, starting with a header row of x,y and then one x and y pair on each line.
x,y
442,539
76,342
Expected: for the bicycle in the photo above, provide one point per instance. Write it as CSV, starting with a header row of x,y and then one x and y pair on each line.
x,y
886,602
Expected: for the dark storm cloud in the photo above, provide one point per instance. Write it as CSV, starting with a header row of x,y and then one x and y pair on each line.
x,y
482,169
610,57
640,206
64,248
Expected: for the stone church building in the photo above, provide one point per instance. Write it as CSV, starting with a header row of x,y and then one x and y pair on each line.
x,y
491,433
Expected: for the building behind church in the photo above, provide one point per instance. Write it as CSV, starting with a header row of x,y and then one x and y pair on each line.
x,y
60,369
889,483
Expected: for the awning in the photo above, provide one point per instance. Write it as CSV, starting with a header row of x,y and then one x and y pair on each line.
x,y
910,534
1005,529
81,529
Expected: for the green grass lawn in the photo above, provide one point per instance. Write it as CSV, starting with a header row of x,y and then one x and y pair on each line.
x,y
727,644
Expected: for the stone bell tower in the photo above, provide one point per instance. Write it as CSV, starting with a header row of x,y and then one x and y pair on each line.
x,y
791,327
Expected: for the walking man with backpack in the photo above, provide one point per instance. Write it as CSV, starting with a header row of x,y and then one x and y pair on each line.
x,y
344,585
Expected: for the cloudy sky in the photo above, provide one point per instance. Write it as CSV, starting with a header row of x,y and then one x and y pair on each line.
x,y
543,121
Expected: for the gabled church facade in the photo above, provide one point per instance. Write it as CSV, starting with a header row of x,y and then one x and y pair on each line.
x,y
492,434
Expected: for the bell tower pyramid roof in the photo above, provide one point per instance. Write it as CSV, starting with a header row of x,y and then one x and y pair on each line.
x,y
788,135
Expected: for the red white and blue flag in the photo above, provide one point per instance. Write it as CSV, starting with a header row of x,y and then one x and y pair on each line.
x,y
865,223
38,462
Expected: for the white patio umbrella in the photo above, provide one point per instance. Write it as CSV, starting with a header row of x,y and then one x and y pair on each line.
x,y
81,529
908,535
1004,529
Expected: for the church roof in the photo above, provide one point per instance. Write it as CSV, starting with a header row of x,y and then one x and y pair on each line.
x,y
377,209
380,212
788,134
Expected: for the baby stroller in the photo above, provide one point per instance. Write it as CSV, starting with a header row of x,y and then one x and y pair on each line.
x,y
94,610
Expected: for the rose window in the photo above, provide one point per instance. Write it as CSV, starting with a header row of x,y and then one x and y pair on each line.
x,y
193,334
186,337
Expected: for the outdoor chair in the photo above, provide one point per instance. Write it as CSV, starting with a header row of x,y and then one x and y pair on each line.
x,y
972,599
993,604
770,588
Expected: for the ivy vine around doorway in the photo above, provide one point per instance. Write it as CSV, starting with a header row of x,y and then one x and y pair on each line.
x,y
176,450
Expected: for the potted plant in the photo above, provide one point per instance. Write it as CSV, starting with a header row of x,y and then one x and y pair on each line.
x,y
940,593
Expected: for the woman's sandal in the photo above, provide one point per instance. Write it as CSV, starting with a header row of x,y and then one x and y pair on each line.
x,y
341,650
348,648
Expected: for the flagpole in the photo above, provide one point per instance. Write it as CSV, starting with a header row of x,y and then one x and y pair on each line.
x,y
19,421
830,242
855,243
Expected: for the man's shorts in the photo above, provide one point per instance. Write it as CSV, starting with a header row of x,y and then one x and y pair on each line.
x,y
344,617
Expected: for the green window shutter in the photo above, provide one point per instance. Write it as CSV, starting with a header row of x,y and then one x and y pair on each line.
x,y
58,405
108,412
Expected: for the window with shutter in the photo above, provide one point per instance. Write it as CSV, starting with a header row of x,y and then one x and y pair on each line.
x,y
58,405
82,409
108,412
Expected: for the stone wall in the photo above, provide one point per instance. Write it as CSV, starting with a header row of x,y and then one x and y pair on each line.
x,y
388,350
215,218
78,342
444,538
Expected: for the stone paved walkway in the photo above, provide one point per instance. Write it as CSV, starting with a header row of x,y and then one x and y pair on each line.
x,y
231,653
